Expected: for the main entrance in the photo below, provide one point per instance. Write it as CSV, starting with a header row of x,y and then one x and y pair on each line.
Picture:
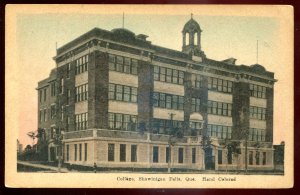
x,y
209,159
52,154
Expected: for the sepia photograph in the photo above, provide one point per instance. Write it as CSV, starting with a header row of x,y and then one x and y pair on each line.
x,y
149,96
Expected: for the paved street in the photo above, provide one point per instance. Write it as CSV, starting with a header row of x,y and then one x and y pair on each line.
x,y
41,167
35,167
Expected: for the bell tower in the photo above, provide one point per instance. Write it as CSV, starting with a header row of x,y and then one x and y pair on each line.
x,y
191,38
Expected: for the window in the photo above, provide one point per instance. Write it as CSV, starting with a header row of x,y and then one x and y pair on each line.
x,y
257,113
75,152
52,111
111,91
122,93
68,150
62,113
193,155
111,152
45,94
168,75
133,153
199,81
68,96
85,151
61,86
111,62
122,152
155,154
41,94
81,93
180,155
81,121
219,108
119,92
219,157
80,151
264,158
53,89
195,105
122,121
68,70
169,101
122,64
82,64
220,85
219,131
45,115
168,154
134,65
196,127
250,157
257,157
257,134
68,124
257,91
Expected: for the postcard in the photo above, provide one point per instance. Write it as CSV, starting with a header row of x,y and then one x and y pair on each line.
x,y
149,96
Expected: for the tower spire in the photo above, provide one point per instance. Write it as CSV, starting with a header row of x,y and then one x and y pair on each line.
x,y
191,15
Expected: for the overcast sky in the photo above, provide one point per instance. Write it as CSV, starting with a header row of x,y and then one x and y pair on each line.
x,y
222,37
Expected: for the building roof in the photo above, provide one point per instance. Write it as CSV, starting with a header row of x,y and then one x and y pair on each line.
x,y
127,37
191,25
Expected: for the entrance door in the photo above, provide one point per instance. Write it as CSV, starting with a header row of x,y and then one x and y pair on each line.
x,y
209,159
52,154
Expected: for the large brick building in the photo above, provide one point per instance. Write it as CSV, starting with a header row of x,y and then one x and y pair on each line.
x,y
123,102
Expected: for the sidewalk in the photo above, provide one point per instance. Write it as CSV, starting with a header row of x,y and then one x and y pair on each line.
x,y
63,170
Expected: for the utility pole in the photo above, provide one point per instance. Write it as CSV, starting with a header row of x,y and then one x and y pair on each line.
x,y
257,51
246,152
170,137
123,21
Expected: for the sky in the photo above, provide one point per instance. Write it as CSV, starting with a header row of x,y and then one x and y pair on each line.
x,y
223,36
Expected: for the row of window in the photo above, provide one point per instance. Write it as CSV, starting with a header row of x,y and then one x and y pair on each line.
x,y
155,155
122,64
163,100
251,157
168,75
119,121
81,64
81,121
43,113
257,134
220,85
219,131
122,93
195,105
77,149
163,126
257,158
82,93
122,157
257,113
219,108
198,82
257,91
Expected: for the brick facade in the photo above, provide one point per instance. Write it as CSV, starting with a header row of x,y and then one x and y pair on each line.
x,y
98,45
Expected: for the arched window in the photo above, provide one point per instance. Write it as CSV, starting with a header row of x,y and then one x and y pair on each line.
x,y
187,38
196,38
